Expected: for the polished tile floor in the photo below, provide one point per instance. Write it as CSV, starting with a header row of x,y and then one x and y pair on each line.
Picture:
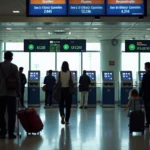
x,y
90,129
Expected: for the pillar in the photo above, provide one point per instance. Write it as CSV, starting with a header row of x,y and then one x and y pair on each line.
x,y
1,50
111,60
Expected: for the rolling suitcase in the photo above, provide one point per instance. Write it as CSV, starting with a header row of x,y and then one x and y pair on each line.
x,y
137,121
30,120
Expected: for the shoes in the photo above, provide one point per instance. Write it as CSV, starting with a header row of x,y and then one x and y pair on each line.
x,y
81,107
12,136
62,120
85,107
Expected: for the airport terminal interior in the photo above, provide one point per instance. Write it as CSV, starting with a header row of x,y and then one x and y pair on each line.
x,y
113,71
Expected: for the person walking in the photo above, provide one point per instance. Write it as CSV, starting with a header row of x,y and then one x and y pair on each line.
x,y
49,81
84,89
145,92
66,78
23,81
9,89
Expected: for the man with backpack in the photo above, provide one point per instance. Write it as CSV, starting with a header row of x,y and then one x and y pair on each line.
x,y
9,90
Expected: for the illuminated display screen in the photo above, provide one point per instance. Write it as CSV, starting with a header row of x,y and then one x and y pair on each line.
x,y
141,75
126,76
46,7
34,76
86,7
137,45
74,75
108,76
54,45
91,75
126,7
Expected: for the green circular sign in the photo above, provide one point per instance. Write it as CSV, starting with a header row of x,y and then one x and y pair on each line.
x,y
31,47
66,47
132,47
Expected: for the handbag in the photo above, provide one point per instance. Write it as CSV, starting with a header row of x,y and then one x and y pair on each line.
x,y
44,88
71,85
57,91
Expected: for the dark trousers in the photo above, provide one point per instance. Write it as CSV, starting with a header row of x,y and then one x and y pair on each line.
x,y
67,99
147,110
9,103
48,98
22,97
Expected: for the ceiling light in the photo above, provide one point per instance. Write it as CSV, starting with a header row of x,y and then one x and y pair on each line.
x,y
67,28
95,28
39,28
8,28
49,33
16,11
69,33
148,29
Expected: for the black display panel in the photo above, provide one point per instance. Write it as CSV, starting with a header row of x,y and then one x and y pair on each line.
x,y
34,76
126,7
86,7
43,8
137,46
108,76
141,74
91,75
126,76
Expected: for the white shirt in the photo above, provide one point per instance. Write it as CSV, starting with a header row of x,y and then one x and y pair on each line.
x,y
64,78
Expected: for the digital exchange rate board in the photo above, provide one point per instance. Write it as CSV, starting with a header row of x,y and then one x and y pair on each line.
x,y
126,7
86,7
46,7
54,45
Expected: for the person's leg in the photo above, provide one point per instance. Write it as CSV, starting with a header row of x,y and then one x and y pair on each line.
x,y
46,99
11,116
61,107
22,97
146,112
68,100
3,130
50,98
82,100
86,94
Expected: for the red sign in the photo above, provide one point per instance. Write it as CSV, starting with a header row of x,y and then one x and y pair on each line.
x,y
111,63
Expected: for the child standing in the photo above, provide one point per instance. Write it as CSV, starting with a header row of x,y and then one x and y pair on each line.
x,y
134,101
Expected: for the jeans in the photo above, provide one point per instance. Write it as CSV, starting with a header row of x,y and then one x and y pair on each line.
x,y
9,103
66,98
48,98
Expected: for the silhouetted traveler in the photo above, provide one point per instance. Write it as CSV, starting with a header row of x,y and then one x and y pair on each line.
x,y
84,89
23,82
9,90
66,95
49,81
145,92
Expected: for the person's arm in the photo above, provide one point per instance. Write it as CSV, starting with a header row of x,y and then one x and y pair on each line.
x,y
142,86
128,105
80,81
57,78
45,80
18,81
25,79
